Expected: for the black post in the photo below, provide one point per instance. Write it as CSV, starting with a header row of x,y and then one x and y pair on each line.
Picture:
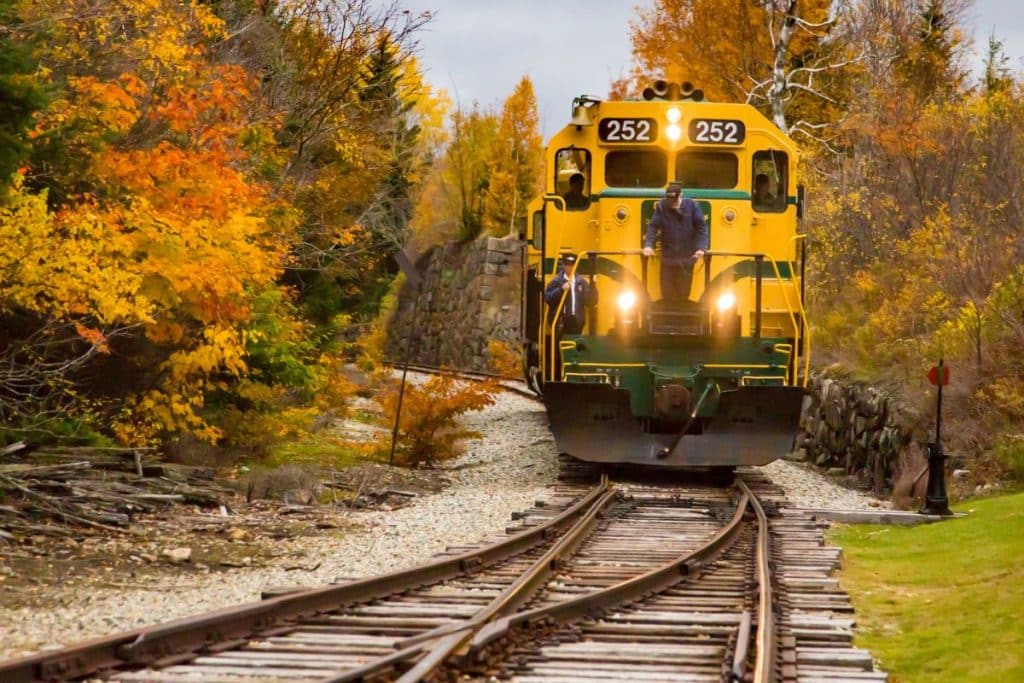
x,y
936,501
405,371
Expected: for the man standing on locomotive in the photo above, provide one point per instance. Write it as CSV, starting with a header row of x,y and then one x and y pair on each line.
x,y
684,239
578,296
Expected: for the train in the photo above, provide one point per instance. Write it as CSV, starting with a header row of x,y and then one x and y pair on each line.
x,y
713,381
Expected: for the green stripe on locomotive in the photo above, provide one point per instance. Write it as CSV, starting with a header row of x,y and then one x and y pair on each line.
x,y
692,362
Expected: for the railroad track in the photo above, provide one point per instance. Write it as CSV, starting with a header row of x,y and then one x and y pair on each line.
x,y
623,581
516,386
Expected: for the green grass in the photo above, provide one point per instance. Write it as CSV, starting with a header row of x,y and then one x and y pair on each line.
x,y
322,453
942,602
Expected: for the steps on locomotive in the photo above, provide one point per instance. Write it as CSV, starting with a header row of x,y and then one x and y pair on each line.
x,y
687,318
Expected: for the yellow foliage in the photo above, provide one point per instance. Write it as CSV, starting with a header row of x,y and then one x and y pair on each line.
x,y
515,160
180,189
66,264
176,236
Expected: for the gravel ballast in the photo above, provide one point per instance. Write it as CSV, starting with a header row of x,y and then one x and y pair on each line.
x,y
503,472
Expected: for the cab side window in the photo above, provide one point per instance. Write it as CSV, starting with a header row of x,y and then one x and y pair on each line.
x,y
572,178
770,181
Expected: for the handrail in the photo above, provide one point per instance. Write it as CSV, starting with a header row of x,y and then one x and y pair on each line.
x,y
789,309
549,368
803,313
557,315
798,329
801,330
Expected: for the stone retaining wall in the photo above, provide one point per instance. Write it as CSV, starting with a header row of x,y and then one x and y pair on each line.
x,y
470,295
851,428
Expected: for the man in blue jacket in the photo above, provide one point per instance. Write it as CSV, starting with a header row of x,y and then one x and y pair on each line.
x,y
684,239
578,296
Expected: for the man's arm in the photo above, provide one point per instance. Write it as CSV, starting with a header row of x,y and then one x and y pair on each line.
x,y
703,236
553,292
653,227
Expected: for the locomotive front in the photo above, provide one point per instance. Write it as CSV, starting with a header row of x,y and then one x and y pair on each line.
x,y
658,378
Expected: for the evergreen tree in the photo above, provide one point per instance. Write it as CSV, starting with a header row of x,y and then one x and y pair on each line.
x,y
997,72
20,95
392,109
930,68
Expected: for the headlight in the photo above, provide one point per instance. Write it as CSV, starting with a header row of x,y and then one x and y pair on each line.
x,y
627,300
673,115
674,132
726,301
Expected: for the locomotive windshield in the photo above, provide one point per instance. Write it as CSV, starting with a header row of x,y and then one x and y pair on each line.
x,y
629,168
707,170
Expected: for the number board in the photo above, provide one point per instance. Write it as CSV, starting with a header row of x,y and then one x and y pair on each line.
x,y
627,130
718,132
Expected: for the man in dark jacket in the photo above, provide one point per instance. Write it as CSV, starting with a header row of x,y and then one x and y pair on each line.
x,y
578,296
684,238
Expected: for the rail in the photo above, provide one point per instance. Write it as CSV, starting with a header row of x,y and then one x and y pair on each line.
x,y
764,663
185,637
654,581
660,580
517,593
504,382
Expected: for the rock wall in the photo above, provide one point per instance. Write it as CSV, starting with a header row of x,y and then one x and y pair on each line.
x,y
853,429
470,295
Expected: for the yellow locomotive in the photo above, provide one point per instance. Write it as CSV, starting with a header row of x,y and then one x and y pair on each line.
x,y
715,380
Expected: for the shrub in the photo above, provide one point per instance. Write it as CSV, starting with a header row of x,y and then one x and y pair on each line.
x,y
504,359
1009,452
428,431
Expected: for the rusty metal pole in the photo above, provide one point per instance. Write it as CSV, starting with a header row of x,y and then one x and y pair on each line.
x,y
405,371
936,500
412,275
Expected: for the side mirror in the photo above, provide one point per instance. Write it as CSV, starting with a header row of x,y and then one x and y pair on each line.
x,y
801,200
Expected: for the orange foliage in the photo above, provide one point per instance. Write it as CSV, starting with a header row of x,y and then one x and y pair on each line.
x,y
175,233
428,431
505,359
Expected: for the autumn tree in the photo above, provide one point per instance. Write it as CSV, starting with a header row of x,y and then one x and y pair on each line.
x,y
896,165
779,55
454,195
341,78
515,161
183,163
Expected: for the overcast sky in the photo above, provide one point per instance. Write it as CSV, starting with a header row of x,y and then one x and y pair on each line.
x,y
479,50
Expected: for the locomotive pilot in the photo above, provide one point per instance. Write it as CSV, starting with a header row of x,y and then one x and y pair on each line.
x,y
683,232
